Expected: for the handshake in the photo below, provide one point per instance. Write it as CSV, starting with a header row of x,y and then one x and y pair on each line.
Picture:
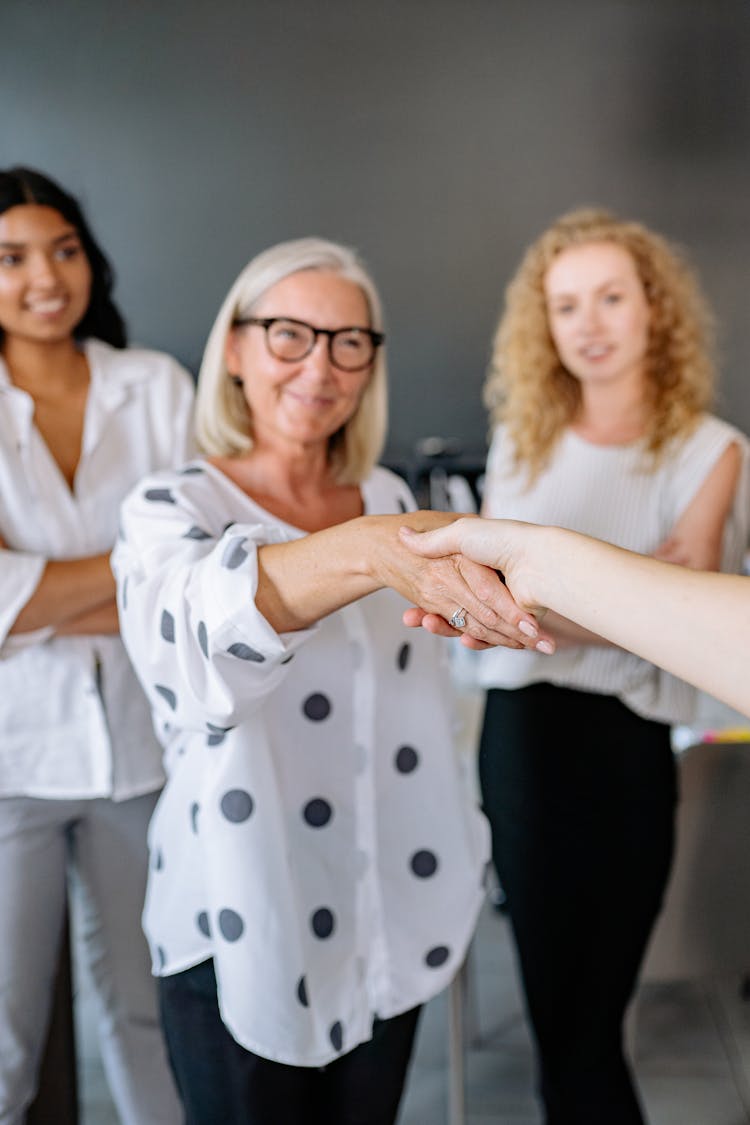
x,y
695,624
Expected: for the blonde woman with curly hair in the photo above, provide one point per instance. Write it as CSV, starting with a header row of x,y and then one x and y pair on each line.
x,y
600,385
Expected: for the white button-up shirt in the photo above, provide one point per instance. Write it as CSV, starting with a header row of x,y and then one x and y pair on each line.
x,y
314,836
73,719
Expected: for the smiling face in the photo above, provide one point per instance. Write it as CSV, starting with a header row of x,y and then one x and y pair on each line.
x,y
302,403
598,312
45,276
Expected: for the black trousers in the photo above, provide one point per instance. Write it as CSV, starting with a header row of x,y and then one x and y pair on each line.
x,y
580,793
220,1083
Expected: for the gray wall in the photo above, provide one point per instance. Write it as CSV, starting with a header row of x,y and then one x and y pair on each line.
x,y
437,136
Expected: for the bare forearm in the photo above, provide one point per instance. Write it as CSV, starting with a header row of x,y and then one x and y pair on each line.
x,y
569,634
103,619
305,580
695,624
67,590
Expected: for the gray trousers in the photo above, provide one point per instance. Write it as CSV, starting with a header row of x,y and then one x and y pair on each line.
x,y
97,850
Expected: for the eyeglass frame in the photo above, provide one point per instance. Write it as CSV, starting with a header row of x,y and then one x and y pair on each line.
x,y
265,322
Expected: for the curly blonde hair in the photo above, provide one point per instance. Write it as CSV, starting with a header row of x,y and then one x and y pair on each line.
x,y
529,389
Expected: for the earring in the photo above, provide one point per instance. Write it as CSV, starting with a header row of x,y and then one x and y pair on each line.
x,y
236,379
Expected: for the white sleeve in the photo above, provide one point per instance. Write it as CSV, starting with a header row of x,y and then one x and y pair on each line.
x,y
20,574
186,585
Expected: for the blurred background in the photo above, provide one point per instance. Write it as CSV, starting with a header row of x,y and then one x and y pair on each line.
x,y
436,136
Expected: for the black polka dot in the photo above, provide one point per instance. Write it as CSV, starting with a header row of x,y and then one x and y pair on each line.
x,y
336,1035
159,494
202,634
245,652
424,863
437,956
231,925
407,759
191,470
402,505
323,922
194,810
167,694
317,706
167,626
302,992
203,924
317,812
195,532
234,554
403,656
216,735
288,658
236,805
158,860
161,956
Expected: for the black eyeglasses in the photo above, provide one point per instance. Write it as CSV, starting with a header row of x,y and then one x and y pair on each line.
x,y
351,349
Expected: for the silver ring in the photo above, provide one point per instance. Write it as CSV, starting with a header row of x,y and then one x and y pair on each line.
x,y
458,620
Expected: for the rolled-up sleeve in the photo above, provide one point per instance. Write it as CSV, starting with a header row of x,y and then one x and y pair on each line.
x,y
205,655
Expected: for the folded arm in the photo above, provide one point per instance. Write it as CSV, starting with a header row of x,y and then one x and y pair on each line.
x,y
68,591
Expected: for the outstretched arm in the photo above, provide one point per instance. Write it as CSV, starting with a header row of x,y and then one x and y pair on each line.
x,y
301,581
695,624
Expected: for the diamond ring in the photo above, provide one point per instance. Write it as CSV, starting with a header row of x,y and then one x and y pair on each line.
x,y
458,620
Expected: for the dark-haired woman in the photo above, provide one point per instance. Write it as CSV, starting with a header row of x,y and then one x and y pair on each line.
x,y
82,417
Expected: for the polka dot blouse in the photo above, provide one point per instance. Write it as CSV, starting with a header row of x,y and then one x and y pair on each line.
x,y
314,836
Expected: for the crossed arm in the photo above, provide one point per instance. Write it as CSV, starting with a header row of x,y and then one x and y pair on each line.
x,y
72,597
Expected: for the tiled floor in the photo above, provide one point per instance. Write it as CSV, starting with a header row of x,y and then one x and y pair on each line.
x,y
691,1044
692,1051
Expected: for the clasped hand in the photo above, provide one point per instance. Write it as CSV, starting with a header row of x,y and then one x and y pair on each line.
x,y
494,611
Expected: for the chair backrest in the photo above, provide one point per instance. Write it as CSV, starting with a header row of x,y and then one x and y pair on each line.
x,y
704,926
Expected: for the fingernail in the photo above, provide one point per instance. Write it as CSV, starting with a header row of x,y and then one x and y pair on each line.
x,y
528,629
546,647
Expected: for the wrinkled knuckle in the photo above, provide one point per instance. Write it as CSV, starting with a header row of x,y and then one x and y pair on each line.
x,y
486,615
